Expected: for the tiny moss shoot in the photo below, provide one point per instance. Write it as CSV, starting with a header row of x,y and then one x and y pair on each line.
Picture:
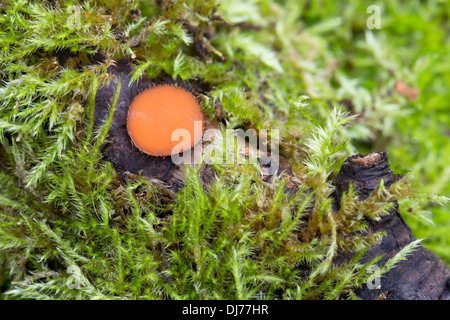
x,y
157,113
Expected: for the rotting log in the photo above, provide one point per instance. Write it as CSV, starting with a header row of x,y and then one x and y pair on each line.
x,y
423,276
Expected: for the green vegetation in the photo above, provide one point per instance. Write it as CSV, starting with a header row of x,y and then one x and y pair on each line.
x,y
71,228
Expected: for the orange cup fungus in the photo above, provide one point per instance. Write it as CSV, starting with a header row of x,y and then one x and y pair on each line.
x,y
156,113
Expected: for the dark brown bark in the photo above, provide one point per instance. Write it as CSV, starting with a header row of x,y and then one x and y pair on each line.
x,y
423,276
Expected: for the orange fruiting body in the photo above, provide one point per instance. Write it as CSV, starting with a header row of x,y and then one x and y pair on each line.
x,y
156,113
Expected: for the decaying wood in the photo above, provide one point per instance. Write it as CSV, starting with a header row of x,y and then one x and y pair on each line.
x,y
423,276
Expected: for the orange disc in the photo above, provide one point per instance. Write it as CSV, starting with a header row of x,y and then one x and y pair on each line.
x,y
156,113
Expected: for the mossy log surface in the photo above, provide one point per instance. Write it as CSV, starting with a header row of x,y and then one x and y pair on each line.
x,y
423,276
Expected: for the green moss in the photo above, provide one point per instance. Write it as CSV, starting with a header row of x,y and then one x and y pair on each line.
x,y
70,228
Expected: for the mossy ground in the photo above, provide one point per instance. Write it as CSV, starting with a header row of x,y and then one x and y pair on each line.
x,y
67,218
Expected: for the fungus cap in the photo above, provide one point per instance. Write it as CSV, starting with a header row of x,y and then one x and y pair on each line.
x,y
157,112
